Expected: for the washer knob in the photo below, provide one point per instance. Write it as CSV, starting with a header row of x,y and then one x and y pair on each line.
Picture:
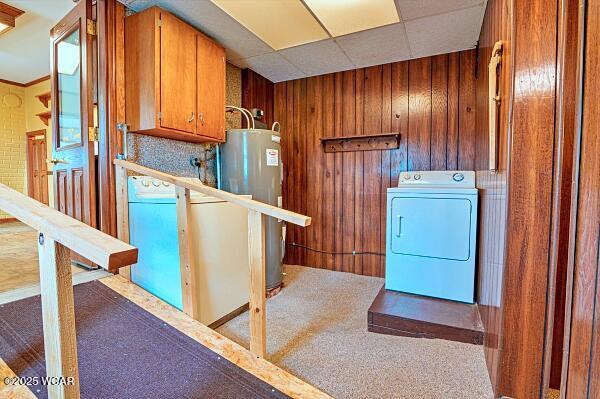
x,y
166,184
145,183
417,177
458,177
407,176
156,183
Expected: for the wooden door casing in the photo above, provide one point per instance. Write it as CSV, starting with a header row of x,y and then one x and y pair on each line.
x,y
210,91
37,169
177,75
74,168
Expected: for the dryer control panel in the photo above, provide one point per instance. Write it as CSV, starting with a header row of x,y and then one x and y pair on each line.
x,y
445,178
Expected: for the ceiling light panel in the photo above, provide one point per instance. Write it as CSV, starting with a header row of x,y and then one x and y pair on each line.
x,y
341,17
279,23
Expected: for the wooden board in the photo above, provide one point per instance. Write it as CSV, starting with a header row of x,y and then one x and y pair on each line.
x,y
396,313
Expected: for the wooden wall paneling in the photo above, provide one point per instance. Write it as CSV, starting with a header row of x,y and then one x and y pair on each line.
x,y
345,192
529,214
339,172
439,111
386,160
419,120
467,102
373,103
302,193
328,209
258,92
348,161
359,197
400,112
453,111
581,363
568,42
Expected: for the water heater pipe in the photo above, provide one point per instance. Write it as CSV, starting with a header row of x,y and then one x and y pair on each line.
x,y
247,114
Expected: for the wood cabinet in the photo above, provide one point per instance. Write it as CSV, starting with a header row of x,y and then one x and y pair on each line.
x,y
174,79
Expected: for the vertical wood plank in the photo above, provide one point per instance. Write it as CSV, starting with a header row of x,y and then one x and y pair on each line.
x,y
187,264
467,120
256,255
339,173
419,123
58,313
453,110
439,111
359,197
373,100
349,171
122,201
328,181
400,110
386,161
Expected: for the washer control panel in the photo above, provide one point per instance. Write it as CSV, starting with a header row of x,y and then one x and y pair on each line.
x,y
447,178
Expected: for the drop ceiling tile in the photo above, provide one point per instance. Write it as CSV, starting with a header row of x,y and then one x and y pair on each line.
x,y
280,24
376,46
216,23
412,9
318,58
273,67
445,33
345,17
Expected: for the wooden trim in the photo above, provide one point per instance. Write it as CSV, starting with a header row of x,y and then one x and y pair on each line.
x,y
100,248
196,185
36,81
8,220
44,98
187,264
256,255
58,313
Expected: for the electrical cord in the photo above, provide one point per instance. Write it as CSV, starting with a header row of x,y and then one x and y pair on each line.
x,y
293,244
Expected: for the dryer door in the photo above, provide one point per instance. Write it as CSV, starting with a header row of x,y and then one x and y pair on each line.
x,y
431,227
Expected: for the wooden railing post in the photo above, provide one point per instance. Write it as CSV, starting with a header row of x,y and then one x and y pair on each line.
x,y
187,265
122,199
60,342
256,257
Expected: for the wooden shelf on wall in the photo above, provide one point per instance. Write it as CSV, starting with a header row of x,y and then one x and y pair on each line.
x,y
367,142
44,116
44,98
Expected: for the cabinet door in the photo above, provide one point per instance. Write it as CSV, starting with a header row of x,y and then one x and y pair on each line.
x,y
211,89
177,75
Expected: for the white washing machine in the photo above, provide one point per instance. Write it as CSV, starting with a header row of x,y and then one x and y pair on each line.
x,y
219,233
431,235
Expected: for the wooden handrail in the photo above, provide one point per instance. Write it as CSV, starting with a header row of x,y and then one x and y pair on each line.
x,y
195,185
188,268
98,247
59,234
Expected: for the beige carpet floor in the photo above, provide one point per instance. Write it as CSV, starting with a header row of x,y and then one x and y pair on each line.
x,y
317,330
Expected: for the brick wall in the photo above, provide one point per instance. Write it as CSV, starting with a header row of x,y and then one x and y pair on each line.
x,y
12,138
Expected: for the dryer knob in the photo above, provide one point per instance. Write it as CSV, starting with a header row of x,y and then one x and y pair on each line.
x,y
156,183
145,183
407,176
458,177
417,177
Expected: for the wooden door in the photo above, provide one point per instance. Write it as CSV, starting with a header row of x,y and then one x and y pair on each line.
x,y
73,148
211,88
37,169
177,74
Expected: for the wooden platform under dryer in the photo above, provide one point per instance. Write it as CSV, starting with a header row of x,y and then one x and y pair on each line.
x,y
397,313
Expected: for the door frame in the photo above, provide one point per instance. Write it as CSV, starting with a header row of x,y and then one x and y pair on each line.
x,y
28,159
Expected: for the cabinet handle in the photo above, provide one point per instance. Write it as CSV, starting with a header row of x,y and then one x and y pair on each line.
x,y
201,118
191,118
